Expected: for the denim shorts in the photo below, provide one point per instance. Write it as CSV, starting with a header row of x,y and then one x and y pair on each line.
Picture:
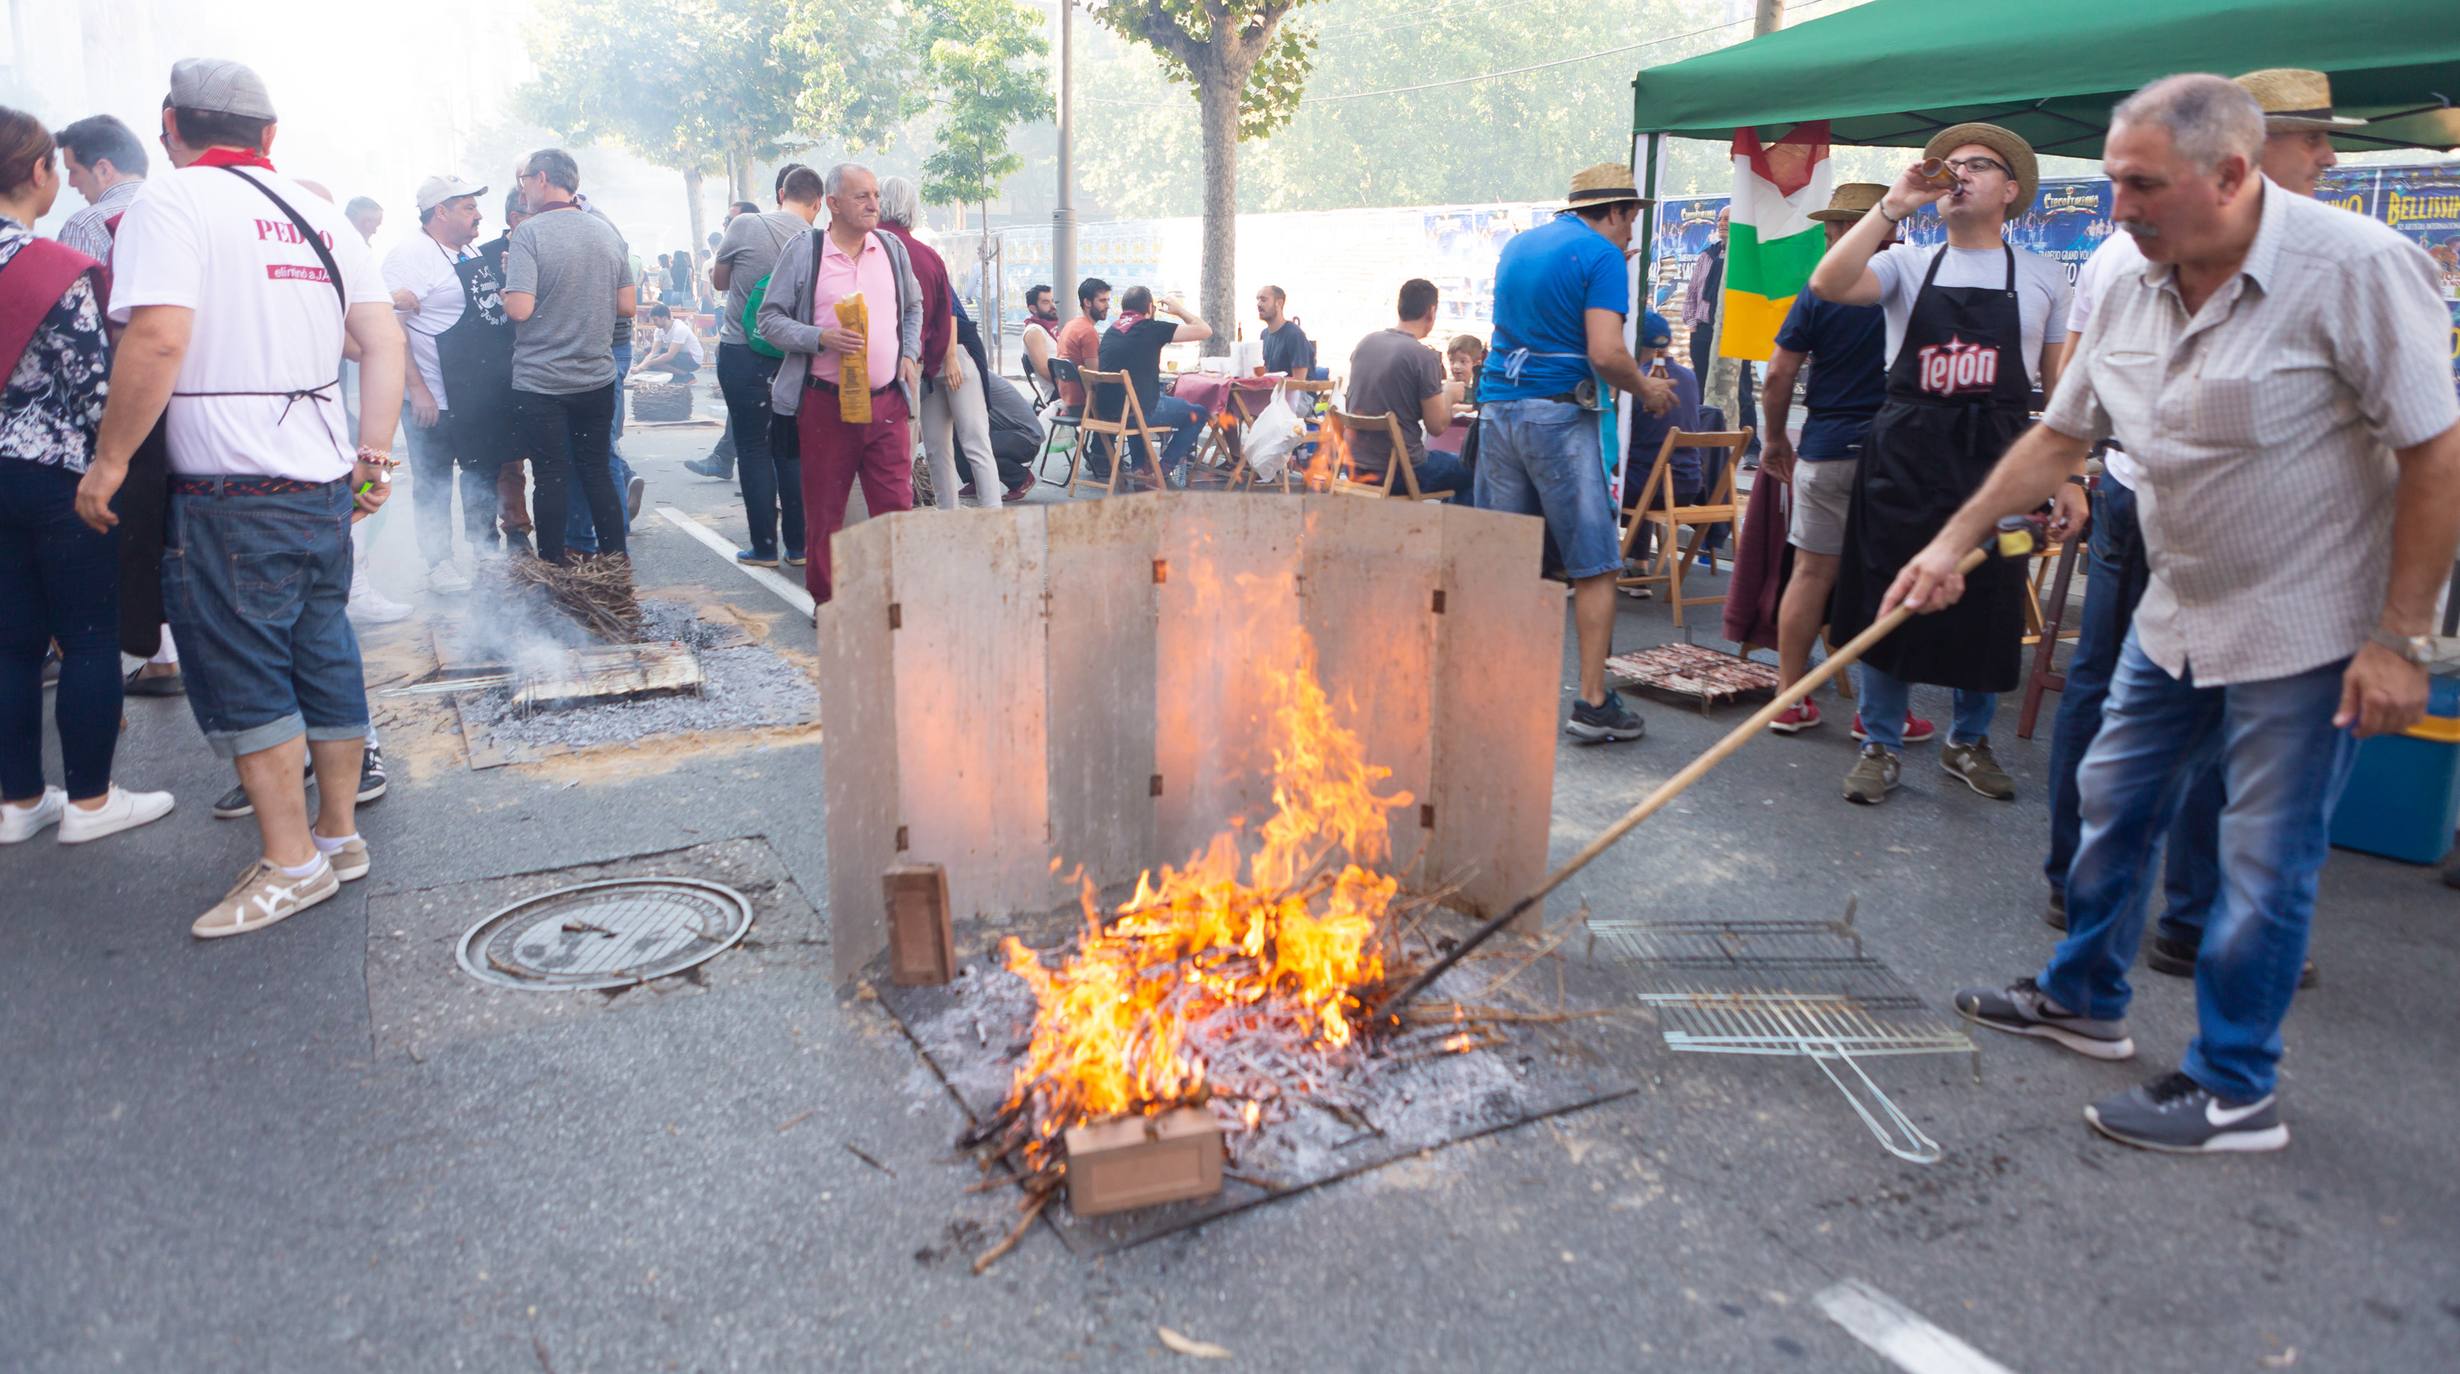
x,y
1539,457
256,589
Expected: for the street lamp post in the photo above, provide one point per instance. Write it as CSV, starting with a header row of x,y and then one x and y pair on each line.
x,y
1063,219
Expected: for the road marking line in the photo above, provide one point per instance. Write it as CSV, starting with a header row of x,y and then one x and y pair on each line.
x,y
1900,1334
787,592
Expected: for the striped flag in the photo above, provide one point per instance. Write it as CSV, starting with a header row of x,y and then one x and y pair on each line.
x,y
1772,243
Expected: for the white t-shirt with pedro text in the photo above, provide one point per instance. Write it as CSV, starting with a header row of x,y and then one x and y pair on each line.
x,y
266,319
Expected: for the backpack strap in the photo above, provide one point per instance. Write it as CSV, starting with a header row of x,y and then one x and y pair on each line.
x,y
333,271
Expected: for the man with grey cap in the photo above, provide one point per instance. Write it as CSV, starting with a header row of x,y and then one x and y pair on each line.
x,y
450,298
566,282
239,289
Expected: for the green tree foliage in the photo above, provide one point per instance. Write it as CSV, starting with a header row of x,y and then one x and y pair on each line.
x,y
982,65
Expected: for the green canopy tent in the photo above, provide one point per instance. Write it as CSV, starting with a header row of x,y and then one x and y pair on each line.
x,y
1893,72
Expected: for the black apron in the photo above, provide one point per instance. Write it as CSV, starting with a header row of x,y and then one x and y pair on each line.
x,y
1958,395
474,356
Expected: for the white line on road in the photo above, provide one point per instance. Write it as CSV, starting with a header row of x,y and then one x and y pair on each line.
x,y
1900,1334
787,592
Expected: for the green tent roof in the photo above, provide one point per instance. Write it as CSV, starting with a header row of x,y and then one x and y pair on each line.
x,y
1893,71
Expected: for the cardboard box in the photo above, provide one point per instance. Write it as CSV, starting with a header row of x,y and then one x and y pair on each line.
x,y
922,942
1143,1160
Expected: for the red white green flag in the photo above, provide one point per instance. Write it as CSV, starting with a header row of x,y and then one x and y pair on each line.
x,y
1772,243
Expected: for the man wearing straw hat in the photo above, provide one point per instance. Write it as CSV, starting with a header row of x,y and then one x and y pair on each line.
x,y
1966,325
2298,123
1845,346
2272,355
1561,295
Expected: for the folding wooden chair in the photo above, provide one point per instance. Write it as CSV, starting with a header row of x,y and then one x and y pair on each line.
x,y
1242,475
1657,508
1062,370
1129,422
1348,425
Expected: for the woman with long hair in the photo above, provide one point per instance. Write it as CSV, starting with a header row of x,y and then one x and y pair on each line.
x,y
59,580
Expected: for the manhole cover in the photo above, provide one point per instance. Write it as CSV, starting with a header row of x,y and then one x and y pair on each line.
x,y
605,935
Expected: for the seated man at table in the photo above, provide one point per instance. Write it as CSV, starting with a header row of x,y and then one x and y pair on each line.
x,y
673,348
1040,335
1693,472
1287,349
1134,345
1464,358
1393,372
1080,339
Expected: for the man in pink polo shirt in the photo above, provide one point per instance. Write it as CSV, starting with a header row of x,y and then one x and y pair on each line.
x,y
798,317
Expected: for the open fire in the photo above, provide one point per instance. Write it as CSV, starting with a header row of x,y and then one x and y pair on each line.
x,y
1232,981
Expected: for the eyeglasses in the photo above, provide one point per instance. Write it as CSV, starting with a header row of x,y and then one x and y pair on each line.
x,y
1980,164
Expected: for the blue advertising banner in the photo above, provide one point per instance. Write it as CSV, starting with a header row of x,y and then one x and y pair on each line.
x,y
1684,228
2423,203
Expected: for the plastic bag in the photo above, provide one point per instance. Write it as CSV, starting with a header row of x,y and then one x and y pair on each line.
x,y
1268,442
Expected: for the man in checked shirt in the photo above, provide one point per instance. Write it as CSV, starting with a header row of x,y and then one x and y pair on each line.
x,y
2273,354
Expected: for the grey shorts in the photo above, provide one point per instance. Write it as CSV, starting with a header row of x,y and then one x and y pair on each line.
x,y
1821,493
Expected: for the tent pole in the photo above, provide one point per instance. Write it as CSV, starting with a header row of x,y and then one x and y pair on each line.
x,y
1645,148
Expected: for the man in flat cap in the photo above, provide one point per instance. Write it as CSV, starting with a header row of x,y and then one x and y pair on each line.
x,y
239,287
1561,295
1966,323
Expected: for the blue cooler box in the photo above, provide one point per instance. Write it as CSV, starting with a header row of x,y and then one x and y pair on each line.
x,y
2403,800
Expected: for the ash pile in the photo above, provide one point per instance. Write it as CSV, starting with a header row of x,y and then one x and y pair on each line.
x,y
533,672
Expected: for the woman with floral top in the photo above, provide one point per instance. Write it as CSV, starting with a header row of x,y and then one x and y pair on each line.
x,y
59,580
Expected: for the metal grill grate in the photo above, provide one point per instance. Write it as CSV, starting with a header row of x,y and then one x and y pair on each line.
x,y
607,934
1793,988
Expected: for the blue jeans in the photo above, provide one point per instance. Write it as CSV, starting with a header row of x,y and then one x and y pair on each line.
x,y
58,580
255,588
2119,573
623,369
1886,698
2284,765
1187,421
767,453
1540,457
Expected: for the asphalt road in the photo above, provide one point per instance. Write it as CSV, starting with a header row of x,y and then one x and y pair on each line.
x,y
241,1156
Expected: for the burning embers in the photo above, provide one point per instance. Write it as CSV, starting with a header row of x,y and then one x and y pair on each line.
x,y
1233,981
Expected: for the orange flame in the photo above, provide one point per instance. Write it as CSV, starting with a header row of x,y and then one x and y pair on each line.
x,y
1205,952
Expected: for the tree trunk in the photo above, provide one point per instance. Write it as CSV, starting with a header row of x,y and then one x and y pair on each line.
x,y
691,197
739,169
1217,103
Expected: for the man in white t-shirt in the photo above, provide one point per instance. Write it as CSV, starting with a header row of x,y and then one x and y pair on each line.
x,y
459,382
673,348
225,275
1966,322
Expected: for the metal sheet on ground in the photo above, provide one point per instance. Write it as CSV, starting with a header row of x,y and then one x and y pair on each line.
x,y
1099,706
858,725
1545,1069
1497,701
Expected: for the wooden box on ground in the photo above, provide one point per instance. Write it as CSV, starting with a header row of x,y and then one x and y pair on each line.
x,y
1143,1161
922,946
1086,682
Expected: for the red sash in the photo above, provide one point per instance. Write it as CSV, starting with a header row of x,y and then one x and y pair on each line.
x,y
30,285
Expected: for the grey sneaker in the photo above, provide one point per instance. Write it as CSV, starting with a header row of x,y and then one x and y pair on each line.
x,y
1874,776
2176,1114
1979,768
1607,721
2022,1008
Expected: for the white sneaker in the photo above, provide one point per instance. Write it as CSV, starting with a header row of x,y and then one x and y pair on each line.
x,y
121,810
20,825
448,578
371,607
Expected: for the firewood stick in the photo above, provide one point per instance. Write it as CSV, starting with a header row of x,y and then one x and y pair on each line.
x,y
991,1256
2011,542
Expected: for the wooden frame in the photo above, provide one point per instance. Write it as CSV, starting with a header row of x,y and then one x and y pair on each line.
x,y
1131,422
1243,475
1657,508
1400,464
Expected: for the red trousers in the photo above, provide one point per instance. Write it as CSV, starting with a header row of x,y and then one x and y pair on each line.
x,y
834,454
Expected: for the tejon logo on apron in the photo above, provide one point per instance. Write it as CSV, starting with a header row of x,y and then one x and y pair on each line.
x,y
1956,367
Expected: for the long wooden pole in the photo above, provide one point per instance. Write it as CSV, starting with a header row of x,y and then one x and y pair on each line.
x,y
2008,541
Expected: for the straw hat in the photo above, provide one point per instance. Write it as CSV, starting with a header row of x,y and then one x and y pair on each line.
x,y
2295,100
1850,202
1604,183
2014,151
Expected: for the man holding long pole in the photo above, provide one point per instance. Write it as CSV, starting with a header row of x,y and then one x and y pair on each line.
x,y
2274,354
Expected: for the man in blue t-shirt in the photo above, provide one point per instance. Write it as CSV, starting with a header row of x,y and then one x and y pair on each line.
x,y
1846,348
1561,293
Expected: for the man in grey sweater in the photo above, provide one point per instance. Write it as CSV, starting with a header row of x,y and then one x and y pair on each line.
x,y
566,282
798,317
